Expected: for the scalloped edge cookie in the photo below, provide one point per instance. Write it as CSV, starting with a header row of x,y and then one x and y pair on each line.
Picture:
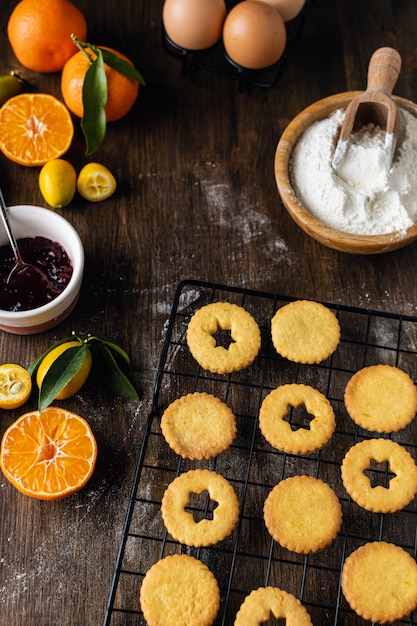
x,y
198,426
379,581
264,602
179,576
381,398
401,488
277,430
303,514
305,331
181,524
244,332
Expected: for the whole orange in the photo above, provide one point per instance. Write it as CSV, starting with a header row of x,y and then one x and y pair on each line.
x,y
121,91
40,31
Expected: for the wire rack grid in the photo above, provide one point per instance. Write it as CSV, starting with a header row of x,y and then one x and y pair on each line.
x,y
249,558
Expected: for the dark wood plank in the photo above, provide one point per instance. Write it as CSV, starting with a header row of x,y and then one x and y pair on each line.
x,y
196,199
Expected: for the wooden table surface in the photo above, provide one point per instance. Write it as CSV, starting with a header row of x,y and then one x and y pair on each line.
x,y
196,199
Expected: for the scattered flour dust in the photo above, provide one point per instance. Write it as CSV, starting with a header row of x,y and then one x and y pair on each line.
x,y
365,197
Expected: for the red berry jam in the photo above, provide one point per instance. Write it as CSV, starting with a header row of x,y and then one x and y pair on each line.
x,y
45,274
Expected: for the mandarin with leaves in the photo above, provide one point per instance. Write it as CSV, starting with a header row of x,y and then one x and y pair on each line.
x,y
39,33
121,91
64,367
80,376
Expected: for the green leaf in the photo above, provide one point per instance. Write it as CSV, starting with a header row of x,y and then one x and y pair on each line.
x,y
62,370
111,373
121,66
113,346
36,362
93,123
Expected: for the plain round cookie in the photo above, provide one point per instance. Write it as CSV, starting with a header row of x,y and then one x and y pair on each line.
x,y
198,426
244,332
181,524
258,606
381,398
179,590
277,430
305,331
379,581
401,488
303,514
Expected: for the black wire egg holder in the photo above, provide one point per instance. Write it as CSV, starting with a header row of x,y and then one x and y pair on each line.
x,y
216,60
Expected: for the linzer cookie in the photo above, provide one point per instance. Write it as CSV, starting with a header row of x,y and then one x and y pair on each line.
x,y
181,524
279,432
305,331
400,489
303,514
264,602
244,334
198,426
379,581
179,589
381,398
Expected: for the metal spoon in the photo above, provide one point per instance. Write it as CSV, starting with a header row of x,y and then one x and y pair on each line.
x,y
19,264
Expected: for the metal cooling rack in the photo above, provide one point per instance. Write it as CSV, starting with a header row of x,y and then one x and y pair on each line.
x,y
249,558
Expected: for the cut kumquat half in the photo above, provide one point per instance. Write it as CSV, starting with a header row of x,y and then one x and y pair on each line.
x,y
15,386
35,128
95,182
48,455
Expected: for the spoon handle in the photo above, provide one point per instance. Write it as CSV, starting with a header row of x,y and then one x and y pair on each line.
x,y
5,219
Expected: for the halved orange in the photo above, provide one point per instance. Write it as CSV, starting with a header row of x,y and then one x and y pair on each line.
x,y
35,128
48,455
15,385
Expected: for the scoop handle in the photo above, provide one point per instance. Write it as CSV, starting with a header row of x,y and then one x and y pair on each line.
x,y
383,70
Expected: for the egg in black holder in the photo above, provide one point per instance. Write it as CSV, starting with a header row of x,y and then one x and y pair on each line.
x,y
224,65
207,60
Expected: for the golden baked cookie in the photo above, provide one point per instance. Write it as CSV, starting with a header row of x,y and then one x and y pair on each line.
x,y
401,488
244,333
303,514
181,523
305,331
381,398
278,431
198,426
379,581
179,590
266,602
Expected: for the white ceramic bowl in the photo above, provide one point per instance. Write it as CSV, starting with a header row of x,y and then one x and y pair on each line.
x,y
32,221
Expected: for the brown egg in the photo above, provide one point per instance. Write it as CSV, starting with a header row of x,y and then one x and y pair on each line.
x,y
194,24
289,9
254,34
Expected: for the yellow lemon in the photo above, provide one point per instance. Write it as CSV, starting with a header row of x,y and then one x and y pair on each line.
x,y
96,182
15,385
77,381
58,182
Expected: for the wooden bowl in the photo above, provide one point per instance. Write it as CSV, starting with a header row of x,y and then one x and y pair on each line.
x,y
328,236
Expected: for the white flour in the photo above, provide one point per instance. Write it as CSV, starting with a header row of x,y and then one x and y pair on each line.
x,y
365,197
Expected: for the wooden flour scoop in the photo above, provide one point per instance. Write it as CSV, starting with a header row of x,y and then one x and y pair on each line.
x,y
375,105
